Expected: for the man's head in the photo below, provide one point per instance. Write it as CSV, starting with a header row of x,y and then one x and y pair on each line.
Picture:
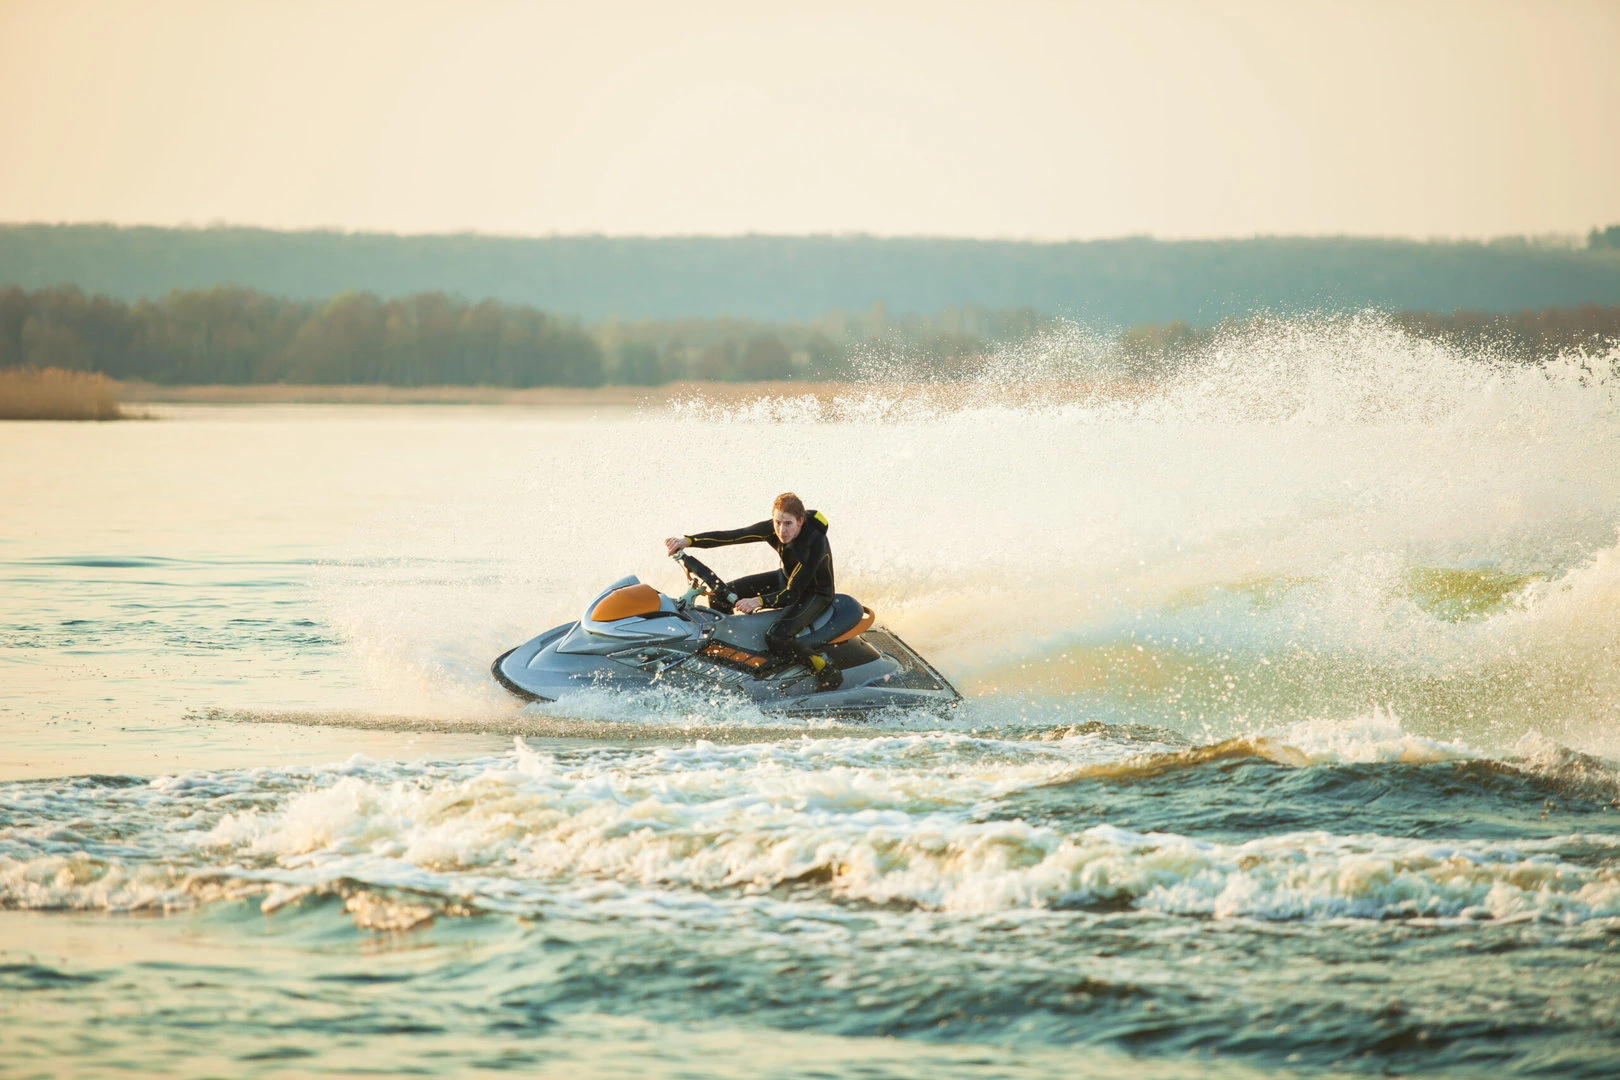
x,y
787,516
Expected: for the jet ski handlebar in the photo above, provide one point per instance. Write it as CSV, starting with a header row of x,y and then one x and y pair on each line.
x,y
705,582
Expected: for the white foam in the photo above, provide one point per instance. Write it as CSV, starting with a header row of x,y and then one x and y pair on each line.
x,y
1374,737
893,819
754,818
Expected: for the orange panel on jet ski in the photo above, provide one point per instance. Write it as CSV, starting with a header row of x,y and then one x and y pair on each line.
x,y
868,616
626,602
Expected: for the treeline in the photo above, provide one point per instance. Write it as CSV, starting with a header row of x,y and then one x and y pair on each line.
x,y
239,336
651,351
780,279
1524,335
1528,336
230,335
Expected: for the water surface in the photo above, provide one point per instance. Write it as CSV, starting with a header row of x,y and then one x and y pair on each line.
x,y
1288,743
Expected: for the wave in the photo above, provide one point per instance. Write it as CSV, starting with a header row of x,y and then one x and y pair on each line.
x,y
931,822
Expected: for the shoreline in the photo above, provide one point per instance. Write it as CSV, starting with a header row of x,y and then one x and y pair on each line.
x,y
113,400
142,393
1054,392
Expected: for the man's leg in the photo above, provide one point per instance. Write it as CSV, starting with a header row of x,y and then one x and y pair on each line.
x,y
782,640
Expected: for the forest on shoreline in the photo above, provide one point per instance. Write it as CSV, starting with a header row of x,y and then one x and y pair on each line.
x,y
1123,281
233,336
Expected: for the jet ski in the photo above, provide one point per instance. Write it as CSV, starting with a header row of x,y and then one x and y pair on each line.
x,y
633,637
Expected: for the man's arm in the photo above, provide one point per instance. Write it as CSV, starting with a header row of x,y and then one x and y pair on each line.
x,y
753,534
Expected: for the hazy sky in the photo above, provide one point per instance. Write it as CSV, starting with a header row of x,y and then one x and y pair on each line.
x,y
1010,119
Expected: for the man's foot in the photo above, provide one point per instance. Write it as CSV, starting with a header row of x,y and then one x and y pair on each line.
x,y
827,676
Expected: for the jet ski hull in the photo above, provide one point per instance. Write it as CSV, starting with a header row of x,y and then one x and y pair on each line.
x,y
700,651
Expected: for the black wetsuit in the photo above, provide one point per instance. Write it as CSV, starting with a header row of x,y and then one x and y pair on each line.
x,y
803,588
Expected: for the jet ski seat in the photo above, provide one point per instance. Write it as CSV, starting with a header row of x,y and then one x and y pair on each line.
x,y
843,620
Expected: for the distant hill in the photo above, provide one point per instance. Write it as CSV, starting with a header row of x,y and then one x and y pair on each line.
x,y
1106,282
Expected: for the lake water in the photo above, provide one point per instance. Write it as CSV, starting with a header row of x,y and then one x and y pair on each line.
x,y
1289,742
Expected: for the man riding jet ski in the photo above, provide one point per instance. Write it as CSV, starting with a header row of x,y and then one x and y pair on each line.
x,y
632,637
801,590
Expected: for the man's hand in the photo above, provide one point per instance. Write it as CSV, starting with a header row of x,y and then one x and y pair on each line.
x,y
676,543
747,605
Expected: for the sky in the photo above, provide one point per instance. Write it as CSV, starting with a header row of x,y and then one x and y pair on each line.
x,y
1012,119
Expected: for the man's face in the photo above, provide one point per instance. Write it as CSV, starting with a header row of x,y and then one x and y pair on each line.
x,y
786,525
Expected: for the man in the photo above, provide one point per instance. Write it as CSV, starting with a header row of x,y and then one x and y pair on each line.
x,y
802,589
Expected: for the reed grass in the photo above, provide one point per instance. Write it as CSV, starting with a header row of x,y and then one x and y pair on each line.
x,y
30,393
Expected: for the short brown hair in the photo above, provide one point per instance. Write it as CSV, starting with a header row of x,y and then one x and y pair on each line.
x,y
789,502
